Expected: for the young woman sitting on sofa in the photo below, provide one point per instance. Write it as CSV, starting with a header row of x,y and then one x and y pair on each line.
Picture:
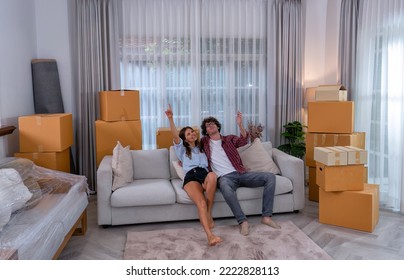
x,y
197,178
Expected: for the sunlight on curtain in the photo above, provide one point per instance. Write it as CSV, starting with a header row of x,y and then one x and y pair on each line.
x,y
205,58
380,96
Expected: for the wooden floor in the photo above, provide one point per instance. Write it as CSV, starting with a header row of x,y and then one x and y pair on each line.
x,y
386,242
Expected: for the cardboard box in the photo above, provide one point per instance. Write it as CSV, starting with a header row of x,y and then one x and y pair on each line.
x,y
108,133
331,93
45,132
164,137
356,139
52,160
330,116
330,156
340,178
313,187
119,105
365,175
355,155
351,209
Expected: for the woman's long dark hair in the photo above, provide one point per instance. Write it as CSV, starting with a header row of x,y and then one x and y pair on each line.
x,y
188,150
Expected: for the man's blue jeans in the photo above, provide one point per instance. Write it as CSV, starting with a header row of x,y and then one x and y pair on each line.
x,y
229,183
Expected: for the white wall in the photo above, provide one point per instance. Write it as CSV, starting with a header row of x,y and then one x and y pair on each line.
x,y
53,43
321,42
17,48
30,30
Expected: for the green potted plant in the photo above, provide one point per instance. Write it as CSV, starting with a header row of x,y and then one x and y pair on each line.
x,y
294,135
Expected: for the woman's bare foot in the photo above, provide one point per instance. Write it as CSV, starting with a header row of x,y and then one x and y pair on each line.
x,y
213,240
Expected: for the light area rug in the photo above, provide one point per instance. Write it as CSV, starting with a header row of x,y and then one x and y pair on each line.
x,y
263,243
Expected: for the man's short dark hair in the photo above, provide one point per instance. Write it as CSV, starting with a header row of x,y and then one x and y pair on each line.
x,y
209,120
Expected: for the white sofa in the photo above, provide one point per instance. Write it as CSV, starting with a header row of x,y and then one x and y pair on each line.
x,y
156,193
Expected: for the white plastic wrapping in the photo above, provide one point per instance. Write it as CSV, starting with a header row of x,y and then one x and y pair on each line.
x,y
37,228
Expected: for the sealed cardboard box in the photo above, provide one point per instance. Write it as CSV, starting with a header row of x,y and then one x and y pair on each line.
x,y
164,137
331,93
340,178
108,133
53,160
45,132
313,187
351,209
330,156
356,139
355,155
119,105
330,116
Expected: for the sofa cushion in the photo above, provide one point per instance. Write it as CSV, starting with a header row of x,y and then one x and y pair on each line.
x,y
178,169
150,164
283,185
181,195
256,158
144,192
173,157
122,166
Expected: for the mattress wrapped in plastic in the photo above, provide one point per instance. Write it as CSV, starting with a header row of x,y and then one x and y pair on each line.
x,y
38,207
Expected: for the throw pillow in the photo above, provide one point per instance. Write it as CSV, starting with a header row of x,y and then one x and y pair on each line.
x,y
255,158
13,192
122,166
178,168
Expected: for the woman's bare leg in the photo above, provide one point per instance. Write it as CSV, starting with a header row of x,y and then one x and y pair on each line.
x,y
195,192
210,187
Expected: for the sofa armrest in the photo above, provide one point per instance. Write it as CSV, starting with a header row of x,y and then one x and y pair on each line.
x,y
104,191
292,168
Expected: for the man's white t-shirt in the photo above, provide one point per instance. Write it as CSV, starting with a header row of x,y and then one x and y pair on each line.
x,y
219,161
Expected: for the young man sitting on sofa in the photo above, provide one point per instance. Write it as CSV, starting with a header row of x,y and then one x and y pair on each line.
x,y
225,161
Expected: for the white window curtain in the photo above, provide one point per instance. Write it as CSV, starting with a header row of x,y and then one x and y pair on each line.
x,y
205,58
379,96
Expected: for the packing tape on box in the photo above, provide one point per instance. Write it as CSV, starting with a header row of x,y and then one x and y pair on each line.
x,y
322,138
38,120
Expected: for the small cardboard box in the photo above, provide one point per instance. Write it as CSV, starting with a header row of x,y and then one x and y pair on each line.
x,y
351,209
355,155
164,137
108,133
45,132
356,139
313,187
53,160
330,116
340,178
330,156
119,105
331,93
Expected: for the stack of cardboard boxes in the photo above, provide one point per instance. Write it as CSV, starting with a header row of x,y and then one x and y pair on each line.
x,y
46,140
336,158
345,199
330,123
119,121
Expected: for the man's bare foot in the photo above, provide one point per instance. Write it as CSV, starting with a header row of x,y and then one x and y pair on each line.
x,y
214,240
244,228
269,222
